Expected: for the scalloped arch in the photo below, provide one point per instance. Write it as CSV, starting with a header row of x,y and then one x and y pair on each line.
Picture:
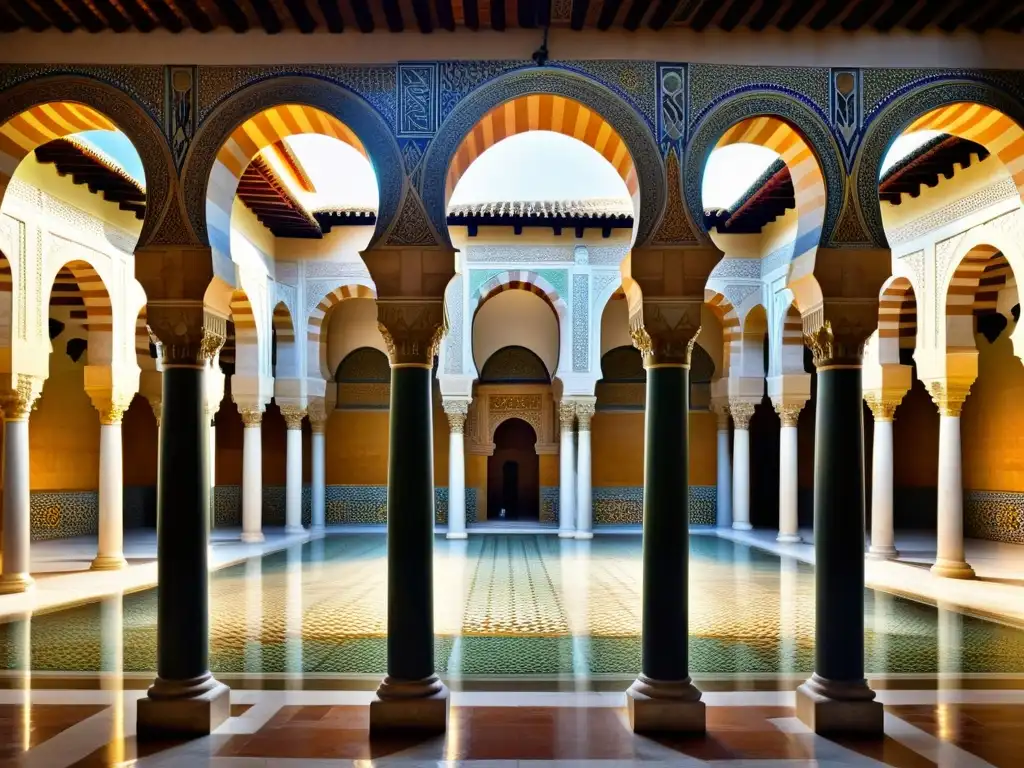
x,y
892,119
350,110
128,116
616,113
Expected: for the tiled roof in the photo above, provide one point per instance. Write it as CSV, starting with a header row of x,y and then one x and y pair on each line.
x,y
594,208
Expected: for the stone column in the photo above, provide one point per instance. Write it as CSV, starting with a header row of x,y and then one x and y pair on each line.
x,y
584,493
110,550
663,698
837,699
883,538
412,696
252,474
949,559
741,411
293,416
567,470
789,480
723,480
457,411
185,698
212,452
318,475
17,404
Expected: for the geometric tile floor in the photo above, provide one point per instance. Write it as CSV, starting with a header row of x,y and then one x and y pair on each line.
x,y
509,606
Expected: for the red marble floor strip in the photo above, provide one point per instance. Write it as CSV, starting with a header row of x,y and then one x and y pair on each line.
x,y
42,721
992,732
888,751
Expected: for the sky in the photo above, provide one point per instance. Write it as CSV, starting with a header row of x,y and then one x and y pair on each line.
x,y
539,165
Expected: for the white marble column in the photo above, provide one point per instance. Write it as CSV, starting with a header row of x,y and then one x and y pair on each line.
x,y
293,416
741,413
252,475
883,537
318,466
16,404
789,480
567,471
110,551
457,411
949,559
584,492
723,487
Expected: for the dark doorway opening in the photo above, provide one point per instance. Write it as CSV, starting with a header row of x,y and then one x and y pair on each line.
x,y
513,473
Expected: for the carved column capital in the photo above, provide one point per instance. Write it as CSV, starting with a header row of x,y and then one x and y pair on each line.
x,y
789,413
189,332
317,413
293,415
158,406
567,415
251,416
19,401
883,407
721,410
457,411
112,409
838,345
584,413
412,330
741,411
665,332
948,397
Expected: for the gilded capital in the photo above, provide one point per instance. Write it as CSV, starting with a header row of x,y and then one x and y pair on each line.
x,y
584,413
158,409
789,413
112,410
742,412
567,414
251,417
665,332
293,415
948,398
412,330
457,411
317,412
839,345
721,410
189,333
17,403
882,408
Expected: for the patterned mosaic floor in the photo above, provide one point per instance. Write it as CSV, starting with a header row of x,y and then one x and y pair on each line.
x,y
509,606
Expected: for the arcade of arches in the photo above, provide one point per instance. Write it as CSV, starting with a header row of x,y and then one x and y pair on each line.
x,y
832,356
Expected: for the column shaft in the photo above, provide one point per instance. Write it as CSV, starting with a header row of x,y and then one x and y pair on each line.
x,y
788,484
293,481
949,560
882,534
252,478
741,479
319,480
110,554
723,506
456,482
584,494
17,519
567,473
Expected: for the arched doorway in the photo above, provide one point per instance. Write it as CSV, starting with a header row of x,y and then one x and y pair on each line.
x,y
513,474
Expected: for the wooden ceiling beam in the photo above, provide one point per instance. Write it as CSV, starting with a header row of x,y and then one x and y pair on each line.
x,y
635,14
734,14
471,14
393,15
61,19
445,15
421,10
8,23
926,15
332,16
195,15
236,18
706,14
609,11
993,17
893,15
578,16
498,15
760,20
794,15
89,20
299,12
32,18
526,14
860,15
140,19
166,16
268,17
114,18
364,18
827,14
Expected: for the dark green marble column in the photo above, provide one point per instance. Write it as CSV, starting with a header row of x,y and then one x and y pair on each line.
x,y
663,698
412,696
185,698
837,699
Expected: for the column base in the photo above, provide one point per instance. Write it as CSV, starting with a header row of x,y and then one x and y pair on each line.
x,y
567,534
848,708
584,535
953,569
253,537
456,535
742,527
183,708
294,529
317,533
882,553
788,538
656,706
12,583
108,563
416,706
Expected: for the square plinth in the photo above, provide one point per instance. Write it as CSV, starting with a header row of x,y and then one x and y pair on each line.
x,y
647,715
419,715
195,716
839,717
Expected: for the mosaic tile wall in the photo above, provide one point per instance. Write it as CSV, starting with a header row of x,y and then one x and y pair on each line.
x,y
624,505
994,515
61,514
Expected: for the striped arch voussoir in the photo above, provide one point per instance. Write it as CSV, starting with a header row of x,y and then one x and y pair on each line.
x,y
314,325
897,311
99,317
522,280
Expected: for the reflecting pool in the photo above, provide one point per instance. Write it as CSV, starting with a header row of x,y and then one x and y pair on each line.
x,y
509,605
